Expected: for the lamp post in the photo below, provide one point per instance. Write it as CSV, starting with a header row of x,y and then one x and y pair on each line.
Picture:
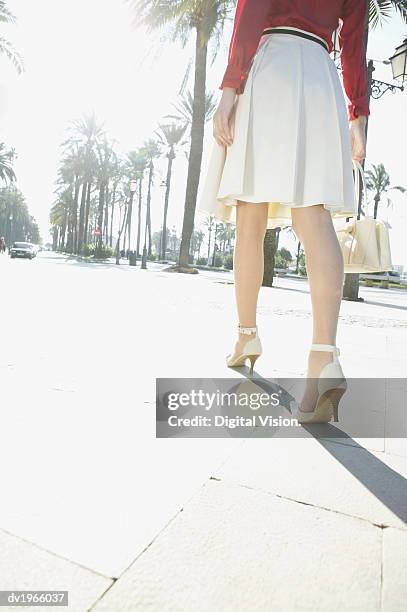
x,y
144,256
132,256
376,89
11,228
161,250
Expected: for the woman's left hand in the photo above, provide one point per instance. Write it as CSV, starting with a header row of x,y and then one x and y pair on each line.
x,y
358,137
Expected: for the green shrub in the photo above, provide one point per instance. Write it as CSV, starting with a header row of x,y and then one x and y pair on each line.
x,y
152,257
103,252
228,262
218,260
283,258
201,261
280,262
89,250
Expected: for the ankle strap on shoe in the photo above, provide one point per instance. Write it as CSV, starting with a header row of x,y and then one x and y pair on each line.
x,y
247,330
325,347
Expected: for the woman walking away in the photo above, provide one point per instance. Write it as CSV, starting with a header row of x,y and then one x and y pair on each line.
x,y
285,138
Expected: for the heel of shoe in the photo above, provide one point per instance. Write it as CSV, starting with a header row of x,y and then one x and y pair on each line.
x,y
252,350
334,396
253,359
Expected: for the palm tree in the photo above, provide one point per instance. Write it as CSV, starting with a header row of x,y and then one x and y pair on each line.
x,y
185,106
88,132
139,161
215,246
106,165
116,176
378,13
225,234
23,226
206,19
6,48
170,136
378,180
209,223
196,242
74,166
6,159
151,149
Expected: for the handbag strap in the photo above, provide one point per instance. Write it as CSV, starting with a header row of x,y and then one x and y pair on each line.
x,y
359,173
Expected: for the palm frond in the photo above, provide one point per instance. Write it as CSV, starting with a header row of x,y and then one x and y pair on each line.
x,y
382,10
6,16
7,49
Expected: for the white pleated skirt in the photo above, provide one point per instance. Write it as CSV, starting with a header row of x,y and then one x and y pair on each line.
x,y
292,145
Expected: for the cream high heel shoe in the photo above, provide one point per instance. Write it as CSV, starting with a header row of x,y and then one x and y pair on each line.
x,y
251,350
331,386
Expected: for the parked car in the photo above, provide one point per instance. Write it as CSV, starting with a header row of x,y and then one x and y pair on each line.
x,y
390,276
23,249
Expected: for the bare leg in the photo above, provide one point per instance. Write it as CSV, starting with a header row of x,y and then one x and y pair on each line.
x,y
313,226
248,264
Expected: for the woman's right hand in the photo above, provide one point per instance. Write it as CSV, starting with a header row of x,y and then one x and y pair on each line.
x,y
224,118
358,137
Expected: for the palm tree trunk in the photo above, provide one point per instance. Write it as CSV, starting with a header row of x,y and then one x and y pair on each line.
x,y
214,244
100,214
376,206
209,244
55,235
75,216
171,156
139,217
270,246
87,208
106,220
82,217
195,156
148,221
112,215
129,216
297,263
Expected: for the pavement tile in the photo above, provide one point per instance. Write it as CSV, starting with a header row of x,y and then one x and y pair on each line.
x,y
107,485
326,474
24,566
232,548
394,587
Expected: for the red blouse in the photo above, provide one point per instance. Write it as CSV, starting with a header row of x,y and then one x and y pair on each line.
x,y
318,16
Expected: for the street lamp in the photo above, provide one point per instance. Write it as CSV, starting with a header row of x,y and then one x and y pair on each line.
x,y
132,187
399,62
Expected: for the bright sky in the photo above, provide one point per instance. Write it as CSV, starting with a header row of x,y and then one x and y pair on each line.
x,y
84,55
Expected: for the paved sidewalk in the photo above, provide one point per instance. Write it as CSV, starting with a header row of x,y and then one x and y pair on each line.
x,y
126,522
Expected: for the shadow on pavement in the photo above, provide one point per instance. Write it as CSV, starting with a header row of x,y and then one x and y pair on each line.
x,y
382,481
385,305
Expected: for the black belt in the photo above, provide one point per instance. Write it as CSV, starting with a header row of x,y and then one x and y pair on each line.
x,y
296,33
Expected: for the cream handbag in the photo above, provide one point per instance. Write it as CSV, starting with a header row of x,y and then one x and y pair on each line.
x,y
364,242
